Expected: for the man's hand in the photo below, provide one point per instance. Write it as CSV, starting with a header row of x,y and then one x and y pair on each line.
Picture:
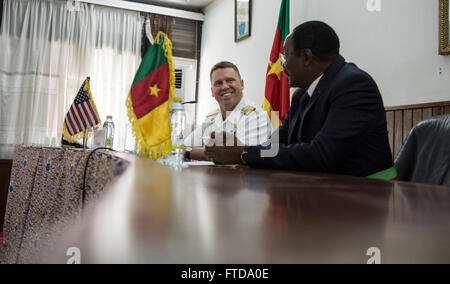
x,y
197,154
225,149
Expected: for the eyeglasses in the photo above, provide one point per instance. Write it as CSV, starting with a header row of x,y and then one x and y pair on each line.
x,y
283,59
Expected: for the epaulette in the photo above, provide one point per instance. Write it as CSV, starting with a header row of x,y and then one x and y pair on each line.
x,y
248,110
214,112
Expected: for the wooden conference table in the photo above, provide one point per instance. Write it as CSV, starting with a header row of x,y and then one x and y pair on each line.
x,y
154,214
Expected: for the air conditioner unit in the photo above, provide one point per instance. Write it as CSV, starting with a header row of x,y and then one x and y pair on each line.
x,y
179,82
185,78
185,87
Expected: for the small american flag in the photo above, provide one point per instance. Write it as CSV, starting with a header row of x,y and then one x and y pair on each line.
x,y
81,115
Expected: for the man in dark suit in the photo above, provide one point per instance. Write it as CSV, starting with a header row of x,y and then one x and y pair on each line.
x,y
337,121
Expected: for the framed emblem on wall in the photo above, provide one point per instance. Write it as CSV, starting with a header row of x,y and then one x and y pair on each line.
x,y
242,19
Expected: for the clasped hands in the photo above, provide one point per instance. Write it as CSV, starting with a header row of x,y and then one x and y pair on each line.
x,y
224,148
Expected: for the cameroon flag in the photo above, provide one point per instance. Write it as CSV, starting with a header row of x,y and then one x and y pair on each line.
x,y
150,99
277,95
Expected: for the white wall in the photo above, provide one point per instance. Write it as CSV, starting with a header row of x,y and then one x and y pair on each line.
x,y
397,46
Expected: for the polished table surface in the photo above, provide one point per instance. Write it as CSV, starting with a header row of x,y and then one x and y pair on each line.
x,y
154,214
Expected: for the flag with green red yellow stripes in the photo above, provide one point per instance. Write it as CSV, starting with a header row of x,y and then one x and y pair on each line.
x,y
150,99
277,92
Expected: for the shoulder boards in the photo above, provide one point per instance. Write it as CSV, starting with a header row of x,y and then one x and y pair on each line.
x,y
248,110
213,113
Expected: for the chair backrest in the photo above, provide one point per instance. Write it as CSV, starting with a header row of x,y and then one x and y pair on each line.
x,y
425,155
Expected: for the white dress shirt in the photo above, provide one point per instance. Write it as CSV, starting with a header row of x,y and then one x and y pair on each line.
x,y
248,121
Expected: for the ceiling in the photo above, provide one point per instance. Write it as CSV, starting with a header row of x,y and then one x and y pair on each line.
x,y
190,5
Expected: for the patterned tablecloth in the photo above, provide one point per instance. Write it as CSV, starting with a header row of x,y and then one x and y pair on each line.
x,y
45,196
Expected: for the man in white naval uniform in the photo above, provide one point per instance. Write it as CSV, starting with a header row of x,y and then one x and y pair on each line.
x,y
237,115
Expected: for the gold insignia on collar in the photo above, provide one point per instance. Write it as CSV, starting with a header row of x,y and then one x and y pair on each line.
x,y
248,110
214,112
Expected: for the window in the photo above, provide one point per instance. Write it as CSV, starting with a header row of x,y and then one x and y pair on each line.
x,y
185,38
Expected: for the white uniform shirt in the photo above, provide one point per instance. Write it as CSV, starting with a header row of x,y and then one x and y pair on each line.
x,y
248,121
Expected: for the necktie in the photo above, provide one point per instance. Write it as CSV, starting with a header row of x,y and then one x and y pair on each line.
x,y
306,100
303,103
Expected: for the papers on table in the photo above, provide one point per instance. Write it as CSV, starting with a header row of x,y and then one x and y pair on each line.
x,y
200,163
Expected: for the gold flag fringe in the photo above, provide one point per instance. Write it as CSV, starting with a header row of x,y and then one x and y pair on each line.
x,y
80,135
163,149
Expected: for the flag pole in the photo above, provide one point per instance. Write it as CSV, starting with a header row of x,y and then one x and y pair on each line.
x,y
84,139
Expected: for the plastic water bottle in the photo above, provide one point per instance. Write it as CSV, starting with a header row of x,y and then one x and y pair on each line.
x,y
109,132
178,122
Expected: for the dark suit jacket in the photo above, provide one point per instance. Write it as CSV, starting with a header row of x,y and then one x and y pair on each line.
x,y
341,129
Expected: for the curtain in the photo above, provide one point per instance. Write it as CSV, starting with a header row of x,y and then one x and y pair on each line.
x,y
155,23
48,48
161,23
1,13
